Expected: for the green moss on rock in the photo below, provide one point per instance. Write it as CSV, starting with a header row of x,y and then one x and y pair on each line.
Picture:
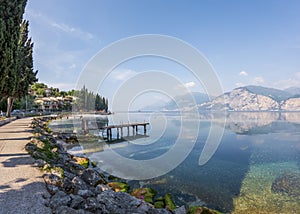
x,y
201,210
118,186
159,203
147,194
169,202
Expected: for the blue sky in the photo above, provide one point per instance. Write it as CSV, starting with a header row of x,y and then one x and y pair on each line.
x,y
247,42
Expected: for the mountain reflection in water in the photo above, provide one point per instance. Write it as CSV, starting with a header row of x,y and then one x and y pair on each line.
x,y
257,149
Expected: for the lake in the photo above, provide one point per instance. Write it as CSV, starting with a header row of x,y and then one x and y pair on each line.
x,y
255,168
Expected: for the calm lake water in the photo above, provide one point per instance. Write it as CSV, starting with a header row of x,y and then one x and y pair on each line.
x,y
255,168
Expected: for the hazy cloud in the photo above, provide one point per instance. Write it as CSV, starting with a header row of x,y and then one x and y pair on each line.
x,y
243,73
122,74
290,82
72,30
258,80
190,84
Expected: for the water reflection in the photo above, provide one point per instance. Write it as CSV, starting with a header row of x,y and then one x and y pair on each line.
x,y
256,150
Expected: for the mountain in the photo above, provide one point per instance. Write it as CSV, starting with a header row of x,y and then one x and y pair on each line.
x,y
276,94
254,98
183,99
293,90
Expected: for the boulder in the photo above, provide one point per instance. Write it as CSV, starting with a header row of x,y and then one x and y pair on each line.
x,y
30,147
76,201
85,193
78,184
64,210
60,199
92,177
67,185
40,163
52,179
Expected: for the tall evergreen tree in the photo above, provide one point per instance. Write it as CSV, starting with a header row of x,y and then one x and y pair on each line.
x,y
24,67
11,13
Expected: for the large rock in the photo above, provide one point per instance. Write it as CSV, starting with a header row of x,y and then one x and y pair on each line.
x,y
78,184
120,202
30,147
60,199
76,201
52,179
92,177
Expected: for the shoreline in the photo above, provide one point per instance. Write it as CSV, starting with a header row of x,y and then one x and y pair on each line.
x,y
70,178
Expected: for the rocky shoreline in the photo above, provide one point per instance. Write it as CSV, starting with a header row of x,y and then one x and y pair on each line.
x,y
77,187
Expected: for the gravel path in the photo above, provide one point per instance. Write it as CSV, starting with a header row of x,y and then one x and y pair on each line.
x,y
22,189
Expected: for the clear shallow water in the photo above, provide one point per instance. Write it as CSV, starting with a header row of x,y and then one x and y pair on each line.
x,y
255,150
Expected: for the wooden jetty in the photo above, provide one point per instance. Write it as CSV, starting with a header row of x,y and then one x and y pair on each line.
x,y
119,129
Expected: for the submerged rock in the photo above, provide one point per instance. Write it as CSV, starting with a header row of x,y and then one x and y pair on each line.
x,y
201,210
288,183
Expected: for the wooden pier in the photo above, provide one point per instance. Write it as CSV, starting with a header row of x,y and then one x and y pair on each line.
x,y
120,132
107,129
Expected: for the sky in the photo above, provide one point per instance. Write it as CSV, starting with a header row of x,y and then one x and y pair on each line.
x,y
250,42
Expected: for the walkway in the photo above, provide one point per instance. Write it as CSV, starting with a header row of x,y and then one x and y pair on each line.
x,y
22,188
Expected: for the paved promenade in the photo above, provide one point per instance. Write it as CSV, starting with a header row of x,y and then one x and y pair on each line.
x,y
22,189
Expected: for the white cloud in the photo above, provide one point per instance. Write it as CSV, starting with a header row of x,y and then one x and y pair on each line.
x,y
258,80
72,30
122,74
243,73
293,81
190,84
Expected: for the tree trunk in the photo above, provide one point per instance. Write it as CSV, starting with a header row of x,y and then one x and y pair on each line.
x,y
10,101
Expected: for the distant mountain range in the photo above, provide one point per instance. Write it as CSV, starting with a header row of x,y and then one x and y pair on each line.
x,y
256,98
248,98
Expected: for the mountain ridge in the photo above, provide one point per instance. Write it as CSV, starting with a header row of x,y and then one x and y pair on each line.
x,y
255,98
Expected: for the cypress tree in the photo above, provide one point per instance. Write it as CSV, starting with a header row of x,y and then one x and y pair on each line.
x,y
11,13
24,67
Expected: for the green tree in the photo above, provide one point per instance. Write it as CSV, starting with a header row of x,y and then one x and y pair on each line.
x,y
11,13
24,67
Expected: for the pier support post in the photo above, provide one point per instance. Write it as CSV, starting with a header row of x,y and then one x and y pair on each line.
x,y
84,126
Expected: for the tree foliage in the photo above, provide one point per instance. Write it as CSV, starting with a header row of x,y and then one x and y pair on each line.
x,y
16,62
11,13
88,101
